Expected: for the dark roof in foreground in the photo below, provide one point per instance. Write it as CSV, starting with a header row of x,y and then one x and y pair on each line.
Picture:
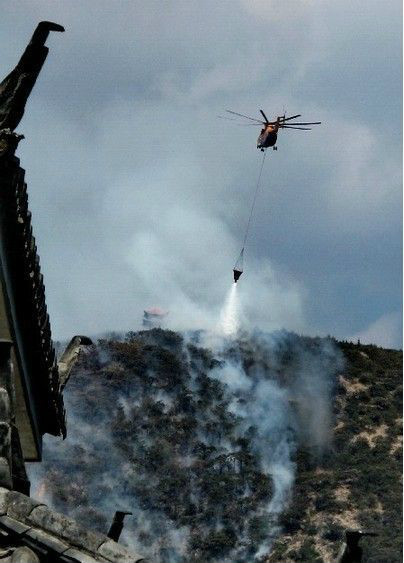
x,y
47,532
25,294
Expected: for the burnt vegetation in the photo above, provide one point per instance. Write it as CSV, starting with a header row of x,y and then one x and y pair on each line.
x,y
153,432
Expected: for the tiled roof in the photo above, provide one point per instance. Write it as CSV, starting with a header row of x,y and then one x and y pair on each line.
x,y
33,524
26,295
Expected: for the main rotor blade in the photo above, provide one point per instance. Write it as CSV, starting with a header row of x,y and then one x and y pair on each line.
x,y
265,117
246,116
291,127
227,118
308,123
238,123
291,117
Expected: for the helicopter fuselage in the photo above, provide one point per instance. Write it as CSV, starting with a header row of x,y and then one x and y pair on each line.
x,y
267,137
269,132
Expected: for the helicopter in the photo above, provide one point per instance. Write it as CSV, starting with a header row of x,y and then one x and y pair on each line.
x,y
269,132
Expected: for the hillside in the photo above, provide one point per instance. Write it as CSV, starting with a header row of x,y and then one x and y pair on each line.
x,y
359,482
224,450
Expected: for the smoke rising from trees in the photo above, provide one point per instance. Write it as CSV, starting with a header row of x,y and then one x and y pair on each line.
x,y
198,442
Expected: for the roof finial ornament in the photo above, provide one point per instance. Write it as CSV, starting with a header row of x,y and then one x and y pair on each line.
x,y
351,552
17,86
117,525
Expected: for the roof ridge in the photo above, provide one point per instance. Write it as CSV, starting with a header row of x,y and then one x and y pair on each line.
x,y
37,525
28,281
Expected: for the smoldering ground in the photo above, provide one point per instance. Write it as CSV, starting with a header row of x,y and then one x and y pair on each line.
x,y
198,442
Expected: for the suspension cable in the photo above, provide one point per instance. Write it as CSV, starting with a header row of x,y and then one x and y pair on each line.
x,y
254,200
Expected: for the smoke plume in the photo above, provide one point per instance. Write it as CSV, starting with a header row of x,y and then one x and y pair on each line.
x,y
196,434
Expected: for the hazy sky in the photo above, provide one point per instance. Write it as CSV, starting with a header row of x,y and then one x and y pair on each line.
x,y
140,194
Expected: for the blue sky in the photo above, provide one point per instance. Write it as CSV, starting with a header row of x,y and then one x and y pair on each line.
x,y
140,194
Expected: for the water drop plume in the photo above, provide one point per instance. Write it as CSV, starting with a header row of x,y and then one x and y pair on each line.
x,y
230,313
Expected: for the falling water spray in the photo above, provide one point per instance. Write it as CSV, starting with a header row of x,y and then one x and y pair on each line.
x,y
230,314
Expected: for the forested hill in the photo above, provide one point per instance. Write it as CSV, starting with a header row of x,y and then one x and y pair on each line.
x,y
228,450
358,484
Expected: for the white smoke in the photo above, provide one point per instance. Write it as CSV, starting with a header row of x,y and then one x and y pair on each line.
x,y
263,404
271,400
